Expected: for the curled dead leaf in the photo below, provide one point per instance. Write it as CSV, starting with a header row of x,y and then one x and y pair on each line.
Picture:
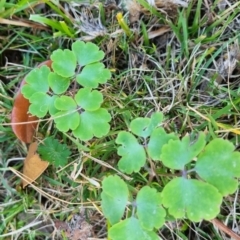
x,y
33,165
23,123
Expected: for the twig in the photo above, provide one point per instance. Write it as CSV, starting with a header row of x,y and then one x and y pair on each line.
x,y
225,229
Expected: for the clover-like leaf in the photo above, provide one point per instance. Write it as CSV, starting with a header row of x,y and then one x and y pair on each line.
x,y
89,100
58,83
176,154
54,152
40,103
36,81
65,103
93,74
133,154
114,198
157,140
64,62
87,53
191,198
130,229
67,118
93,124
143,127
219,165
149,210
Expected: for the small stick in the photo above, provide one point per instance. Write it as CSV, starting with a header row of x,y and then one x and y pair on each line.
x,y
225,229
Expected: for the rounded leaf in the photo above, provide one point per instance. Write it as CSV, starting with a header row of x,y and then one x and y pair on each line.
x,y
64,62
220,166
36,81
93,74
89,100
58,83
114,198
40,103
191,198
93,124
149,210
157,140
65,103
133,154
143,127
176,154
130,229
87,53
66,120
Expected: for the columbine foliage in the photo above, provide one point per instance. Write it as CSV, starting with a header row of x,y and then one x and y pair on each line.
x,y
80,111
54,152
209,172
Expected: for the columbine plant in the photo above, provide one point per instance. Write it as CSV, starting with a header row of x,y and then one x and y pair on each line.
x,y
208,172
67,91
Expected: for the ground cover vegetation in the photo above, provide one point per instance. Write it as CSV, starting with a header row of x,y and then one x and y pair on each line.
x,y
133,119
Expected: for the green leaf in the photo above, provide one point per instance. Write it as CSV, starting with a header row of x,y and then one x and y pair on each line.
x,y
40,103
37,81
64,62
157,140
114,198
149,210
65,103
93,124
191,198
143,127
93,74
54,152
220,166
133,154
87,53
89,100
68,117
66,120
58,83
52,108
130,229
176,154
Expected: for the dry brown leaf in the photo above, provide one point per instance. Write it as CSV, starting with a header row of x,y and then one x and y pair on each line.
x,y
158,32
33,166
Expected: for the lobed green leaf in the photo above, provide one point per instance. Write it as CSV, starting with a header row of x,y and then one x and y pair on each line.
x,y
93,124
114,198
176,154
87,53
65,103
40,104
191,198
64,62
89,100
66,120
149,210
93,74
37,81
130,229
58,83
133,154
157,140
143,127
219,165
54,152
